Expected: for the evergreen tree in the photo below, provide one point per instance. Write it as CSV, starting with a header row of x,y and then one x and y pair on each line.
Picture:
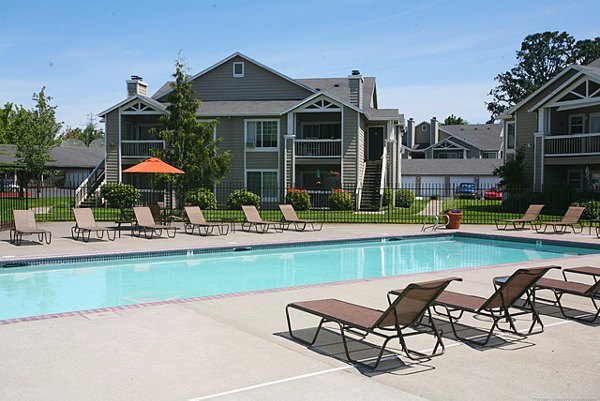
x,y
190,143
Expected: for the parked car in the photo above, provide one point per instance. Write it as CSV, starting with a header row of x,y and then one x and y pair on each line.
x,y
494,193
467,190
8,185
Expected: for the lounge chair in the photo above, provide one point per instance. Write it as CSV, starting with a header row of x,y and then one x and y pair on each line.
x,y
290,217
570,219
530,216
197,220
560,288
406,310
85,223
498,306
253,219
25,224
145,222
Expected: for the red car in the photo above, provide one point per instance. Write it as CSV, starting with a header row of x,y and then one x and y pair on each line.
x,y
494,193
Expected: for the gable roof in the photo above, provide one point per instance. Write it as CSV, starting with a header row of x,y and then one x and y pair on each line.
x,y
592,70
162,92
145,99
482,136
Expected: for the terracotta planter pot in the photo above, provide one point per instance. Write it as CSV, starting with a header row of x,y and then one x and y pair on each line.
x,y
454,220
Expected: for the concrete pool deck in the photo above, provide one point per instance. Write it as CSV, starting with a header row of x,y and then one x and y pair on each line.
x,y
237,347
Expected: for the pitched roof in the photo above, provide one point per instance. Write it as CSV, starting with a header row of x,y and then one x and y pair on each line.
x,y
226,59
464,167
148,100
62,156
482,136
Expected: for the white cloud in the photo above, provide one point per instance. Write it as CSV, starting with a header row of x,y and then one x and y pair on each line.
x,y
425,101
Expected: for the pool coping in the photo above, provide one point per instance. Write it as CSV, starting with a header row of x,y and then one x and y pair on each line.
x,y
39,261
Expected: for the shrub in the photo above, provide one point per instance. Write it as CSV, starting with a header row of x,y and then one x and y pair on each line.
x,y
203,197
120,195
340,200
592,209
404,198
240,197
298,198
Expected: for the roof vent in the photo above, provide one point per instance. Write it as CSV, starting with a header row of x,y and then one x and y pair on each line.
x,y
336,85
318,89
355,72
475,129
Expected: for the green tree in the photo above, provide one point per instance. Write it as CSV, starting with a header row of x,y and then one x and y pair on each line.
x,y
6,118
190,143
454,120
35,133
512,173
90,133
541,57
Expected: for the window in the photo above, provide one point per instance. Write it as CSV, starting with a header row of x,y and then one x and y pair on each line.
x,y
490,155
321,131
238,70
262,134
511,142
576,124
575,179
423,127
264,183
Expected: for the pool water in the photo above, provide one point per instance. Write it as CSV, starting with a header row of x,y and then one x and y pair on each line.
x,y
47,289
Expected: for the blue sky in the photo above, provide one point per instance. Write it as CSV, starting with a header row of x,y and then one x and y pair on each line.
x,y
431,58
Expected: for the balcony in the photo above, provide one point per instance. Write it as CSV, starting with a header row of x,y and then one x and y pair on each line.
x,y
137,149
317,148
572,145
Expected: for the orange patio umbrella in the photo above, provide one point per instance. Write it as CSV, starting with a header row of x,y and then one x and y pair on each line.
x,y
153,165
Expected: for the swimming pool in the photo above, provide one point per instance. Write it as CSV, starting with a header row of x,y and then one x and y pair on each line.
x,y
54,288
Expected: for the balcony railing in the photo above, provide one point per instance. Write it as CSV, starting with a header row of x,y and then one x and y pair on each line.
x,y
140,148
310,148
572,145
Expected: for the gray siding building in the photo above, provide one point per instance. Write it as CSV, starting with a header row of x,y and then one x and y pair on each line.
x,y
315,134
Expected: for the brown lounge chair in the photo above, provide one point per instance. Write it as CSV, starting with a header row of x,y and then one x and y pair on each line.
x,y
406,310
499,305
570,219
85,223
560,288
253,219
530,216
290,217
25,224
145,222
197,220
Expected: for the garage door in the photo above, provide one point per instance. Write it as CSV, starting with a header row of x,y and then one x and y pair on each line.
x,y
409,182
487,182
433,185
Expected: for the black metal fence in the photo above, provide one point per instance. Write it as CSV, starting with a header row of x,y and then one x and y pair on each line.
x,y
410,204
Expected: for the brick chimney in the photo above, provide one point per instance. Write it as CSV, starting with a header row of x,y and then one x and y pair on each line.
x,y
355,81
136,86
434,131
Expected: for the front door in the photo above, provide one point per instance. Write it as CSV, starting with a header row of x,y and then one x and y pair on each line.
x,y
375,143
